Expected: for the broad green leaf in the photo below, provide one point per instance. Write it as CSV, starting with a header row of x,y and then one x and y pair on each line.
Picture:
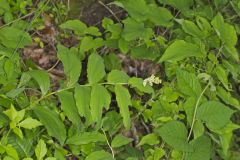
x,y
71,64
69,108
52,122
77,26
100,98
202,149
227,97
222,76
150,139
138,84
86,138
189,107
179,4
133,30
14,115
29,123
95,68
137,9
226,134
24,146
42,78
120,140
144,52
215,114
94,31
82,97
124,100
227,34
11,152
188,83
88,43
99,155
14,38
160,16
180,50
174,133
116,76
192,29
40,150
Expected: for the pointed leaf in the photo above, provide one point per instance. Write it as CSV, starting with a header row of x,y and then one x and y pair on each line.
x,y
40,150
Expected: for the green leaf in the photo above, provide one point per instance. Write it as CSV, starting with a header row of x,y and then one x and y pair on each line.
x,y
137,9
88,43
11,152
29,123
77,26
188,83
174,133
222,75
71,64
14,115
180,50
69,108
160,16
95,68
145,53
227,34
215,114
42,78
86,138
138,84
227,97
100,98
40,150
99,155
226,134
179,4
51,121
14,38
202,149
192,29
116,76
150,139
133,30
120,140
124,100
82,97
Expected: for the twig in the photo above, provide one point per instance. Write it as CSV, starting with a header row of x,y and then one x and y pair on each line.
x,y
109,9
113,155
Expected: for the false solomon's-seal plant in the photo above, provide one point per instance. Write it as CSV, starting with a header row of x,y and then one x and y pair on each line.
x,y
99,112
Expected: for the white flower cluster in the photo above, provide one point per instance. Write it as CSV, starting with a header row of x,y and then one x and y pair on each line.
x,y
152,80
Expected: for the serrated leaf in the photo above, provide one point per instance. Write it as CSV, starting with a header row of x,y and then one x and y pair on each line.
x,y
174,133
180,50
215,114
188,83
120,140
76,25
86,138
82,97
124,100
201,149
116,76
95,68
222,76
42,78
192,29
40,150
100,98
29,123
52,122
69,108
71,64
99,155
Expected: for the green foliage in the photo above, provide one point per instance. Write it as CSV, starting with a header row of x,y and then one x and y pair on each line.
x,y
186,109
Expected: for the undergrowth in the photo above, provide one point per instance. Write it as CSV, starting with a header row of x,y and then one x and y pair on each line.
x,y
187,110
